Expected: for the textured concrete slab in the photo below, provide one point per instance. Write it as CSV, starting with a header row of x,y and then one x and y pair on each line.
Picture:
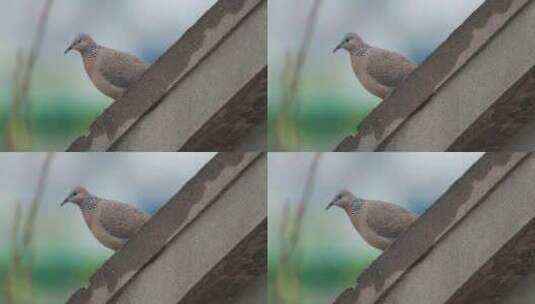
x,y
523,293
217,67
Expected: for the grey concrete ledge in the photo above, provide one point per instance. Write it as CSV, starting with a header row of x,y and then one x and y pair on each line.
x,y
182,95
247,109
188,249
471,94
470,242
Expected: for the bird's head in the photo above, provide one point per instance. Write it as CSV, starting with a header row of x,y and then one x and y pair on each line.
x,y
77,196
351,43
81,43
342,199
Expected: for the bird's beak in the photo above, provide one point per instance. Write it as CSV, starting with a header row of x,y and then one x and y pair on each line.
x,y
65,201
338,47
68,49
333,203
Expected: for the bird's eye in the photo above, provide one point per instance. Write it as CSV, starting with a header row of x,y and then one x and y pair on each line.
x,y
339,197
347,40
75,193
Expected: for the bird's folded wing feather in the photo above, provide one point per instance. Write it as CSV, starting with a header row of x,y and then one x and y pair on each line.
x,y
388,220
121,220
388,68
120,69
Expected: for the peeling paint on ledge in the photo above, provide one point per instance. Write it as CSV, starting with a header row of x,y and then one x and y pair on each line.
x,y
247,108
234,272
462,45
508,114
502,272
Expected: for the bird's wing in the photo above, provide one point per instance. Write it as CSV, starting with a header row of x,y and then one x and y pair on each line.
x,y
121,220
119,68
387,67
388,220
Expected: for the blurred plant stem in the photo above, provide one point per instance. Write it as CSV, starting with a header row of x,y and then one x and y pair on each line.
x,y
286,132
288,287
19,121
19,275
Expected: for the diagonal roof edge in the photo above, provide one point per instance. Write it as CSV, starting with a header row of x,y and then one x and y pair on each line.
x,y
449,58
183,208
248,107
175,64
456,203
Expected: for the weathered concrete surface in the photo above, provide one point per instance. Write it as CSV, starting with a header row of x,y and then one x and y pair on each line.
x,y
523,139
523,293
217,67
239,125
505,275
212,233
256,292
472,93
254,139
182,268
477,238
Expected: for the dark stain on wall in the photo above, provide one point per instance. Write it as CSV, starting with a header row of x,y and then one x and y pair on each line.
x,y
504,119
493,282
246,109
231,275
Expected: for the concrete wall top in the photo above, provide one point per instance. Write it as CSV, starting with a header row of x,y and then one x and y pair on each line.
x,y
185,216
445,227
445,105
179,78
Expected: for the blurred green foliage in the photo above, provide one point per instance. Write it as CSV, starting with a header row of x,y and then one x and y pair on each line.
x,y
56,119
56,275
324,274
323,119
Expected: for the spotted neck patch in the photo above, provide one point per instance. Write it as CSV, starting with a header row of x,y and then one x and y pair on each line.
x,y
361,51
91,51
356,205
90,203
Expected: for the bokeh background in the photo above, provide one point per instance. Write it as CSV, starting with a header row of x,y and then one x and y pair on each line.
x,y
331,102
64,251
331,253
63,101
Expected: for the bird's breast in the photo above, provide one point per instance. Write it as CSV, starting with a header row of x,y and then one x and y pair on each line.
x,y
91,65
359,65
369,235
100,233
89,217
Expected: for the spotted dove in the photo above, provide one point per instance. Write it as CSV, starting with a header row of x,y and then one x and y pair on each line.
x,y
379,71
111,71
112,223
379,223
